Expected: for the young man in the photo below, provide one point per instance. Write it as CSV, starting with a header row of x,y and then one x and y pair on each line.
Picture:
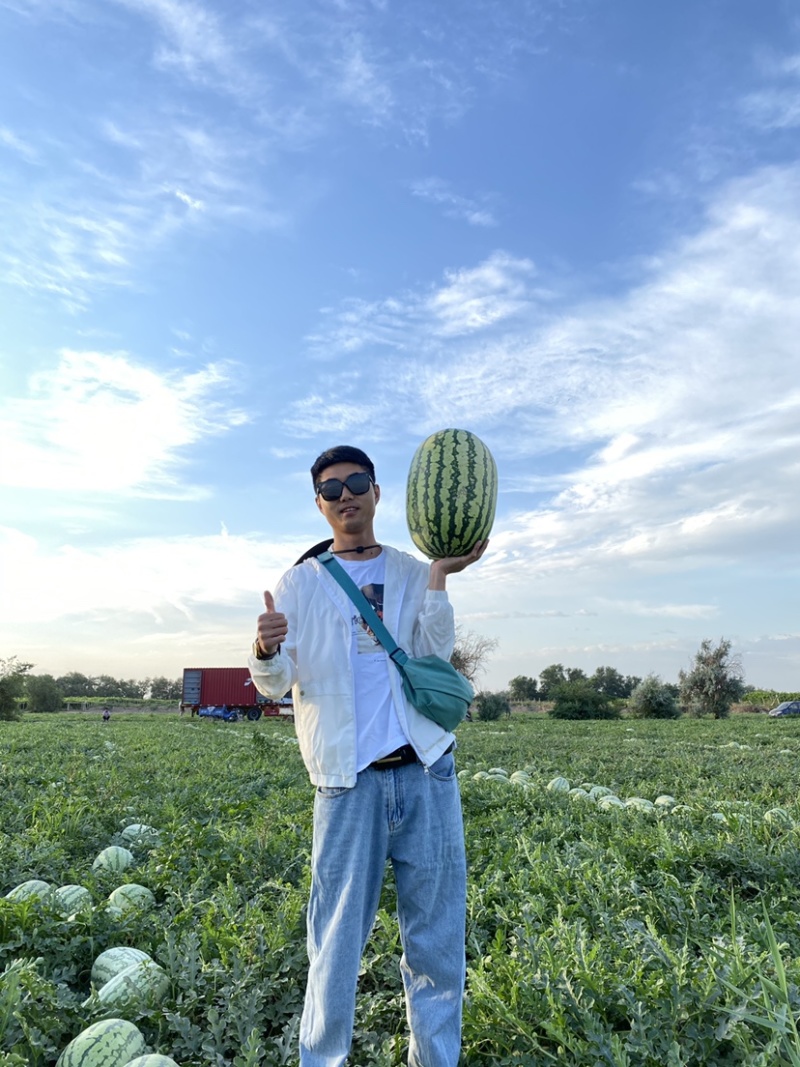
x,y
385,774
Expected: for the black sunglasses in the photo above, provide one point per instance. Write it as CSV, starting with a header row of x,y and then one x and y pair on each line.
x,y
332,488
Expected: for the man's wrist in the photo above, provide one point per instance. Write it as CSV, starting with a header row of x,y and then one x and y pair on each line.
x,y
260,654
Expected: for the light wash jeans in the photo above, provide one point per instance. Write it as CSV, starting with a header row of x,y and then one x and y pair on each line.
x,y
411,816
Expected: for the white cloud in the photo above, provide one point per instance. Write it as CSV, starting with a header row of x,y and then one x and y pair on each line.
x,y
455,206
100,423
672,408
10,140
469,301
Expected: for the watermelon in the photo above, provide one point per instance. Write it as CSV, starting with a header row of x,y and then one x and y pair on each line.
x,y
153,1060
109,1043
141,984
451,494
114,960
558,785
34,887
132,897
113,858
73,899
140,835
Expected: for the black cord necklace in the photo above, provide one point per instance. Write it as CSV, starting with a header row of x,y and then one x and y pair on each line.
x,y
360,549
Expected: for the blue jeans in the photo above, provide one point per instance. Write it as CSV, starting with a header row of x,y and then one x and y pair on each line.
x,y
411,816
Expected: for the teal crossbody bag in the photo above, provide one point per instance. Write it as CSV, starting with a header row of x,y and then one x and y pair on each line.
x,y
430,683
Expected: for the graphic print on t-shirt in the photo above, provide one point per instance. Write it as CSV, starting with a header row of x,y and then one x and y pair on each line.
x,y
366,641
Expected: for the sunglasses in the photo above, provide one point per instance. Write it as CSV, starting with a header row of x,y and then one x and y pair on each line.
x,y
332,488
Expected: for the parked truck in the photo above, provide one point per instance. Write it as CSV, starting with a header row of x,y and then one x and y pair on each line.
x,y
228,693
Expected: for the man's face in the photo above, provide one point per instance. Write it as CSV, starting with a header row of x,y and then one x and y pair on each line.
x,y
351,513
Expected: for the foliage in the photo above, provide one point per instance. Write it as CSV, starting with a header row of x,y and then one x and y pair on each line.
x,y
471,652
651,699
12,686
75,684
578,699
42,693
609,936
714,683
165,688
768,698
556,675
522,688
609,682
492,706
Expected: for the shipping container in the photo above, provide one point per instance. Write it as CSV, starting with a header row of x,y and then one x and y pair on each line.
x,y
231,689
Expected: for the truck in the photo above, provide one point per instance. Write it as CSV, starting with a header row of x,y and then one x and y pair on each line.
x,y
228,693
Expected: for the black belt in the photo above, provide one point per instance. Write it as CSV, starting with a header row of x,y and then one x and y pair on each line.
x,y
399,758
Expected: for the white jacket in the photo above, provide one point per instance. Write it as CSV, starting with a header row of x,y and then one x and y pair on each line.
x,y
314,661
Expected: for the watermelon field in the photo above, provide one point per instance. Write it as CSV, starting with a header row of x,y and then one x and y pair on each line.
x,y
642,912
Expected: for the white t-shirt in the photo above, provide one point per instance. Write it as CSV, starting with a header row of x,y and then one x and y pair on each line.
x,y
378,729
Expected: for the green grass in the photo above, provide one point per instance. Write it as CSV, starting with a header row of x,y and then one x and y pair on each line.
x,y
619,937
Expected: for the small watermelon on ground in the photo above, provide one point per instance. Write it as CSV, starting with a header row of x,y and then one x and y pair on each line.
x,y
153,1060
558,785
34,887
113,961
109,1043
73,899
113,858
143,983
140,835
451,494
132,897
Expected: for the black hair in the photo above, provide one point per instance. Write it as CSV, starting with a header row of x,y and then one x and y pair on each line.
x,y
341,454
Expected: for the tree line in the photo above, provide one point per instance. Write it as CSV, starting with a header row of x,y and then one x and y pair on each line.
x,y
46,693
711,686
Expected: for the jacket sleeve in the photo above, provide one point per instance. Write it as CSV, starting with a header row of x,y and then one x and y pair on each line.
x,y
434,630
274,677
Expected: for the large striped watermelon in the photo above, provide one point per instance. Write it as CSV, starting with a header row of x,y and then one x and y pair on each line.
x,y
34,887
109,1043
140,835
73,899
143,983
113,858
451,494
132,897
114,960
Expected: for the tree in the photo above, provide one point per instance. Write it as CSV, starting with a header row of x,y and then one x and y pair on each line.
x,y
714,683
42,693
611,683
470,653
651,699
75,684
522,688
579,699
165,689
549,680
491,706
12,686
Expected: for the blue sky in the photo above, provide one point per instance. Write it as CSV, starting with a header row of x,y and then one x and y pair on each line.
x,y
236,234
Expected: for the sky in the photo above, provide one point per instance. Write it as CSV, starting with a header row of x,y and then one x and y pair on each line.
x,y
237,233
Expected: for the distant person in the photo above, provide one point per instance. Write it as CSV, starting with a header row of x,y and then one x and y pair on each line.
x,y
106,714
385,774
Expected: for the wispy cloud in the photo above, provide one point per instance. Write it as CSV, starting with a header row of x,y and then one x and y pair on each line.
x,y
101,423
777,106
455,206
10,140
672,408
469,301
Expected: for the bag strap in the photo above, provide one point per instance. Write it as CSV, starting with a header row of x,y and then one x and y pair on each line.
x,y
368,613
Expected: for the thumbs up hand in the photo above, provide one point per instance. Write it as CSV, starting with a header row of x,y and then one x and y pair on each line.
x,y
272,627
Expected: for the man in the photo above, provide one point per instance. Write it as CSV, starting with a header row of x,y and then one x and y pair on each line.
x,y
385,774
